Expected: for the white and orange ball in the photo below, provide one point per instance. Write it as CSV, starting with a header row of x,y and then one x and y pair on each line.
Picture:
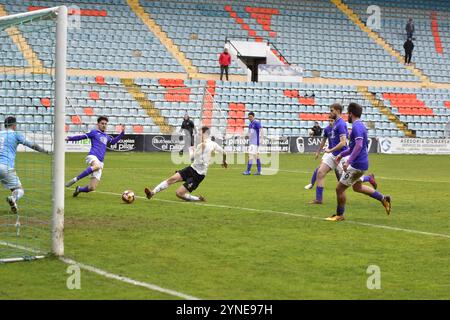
x,y
128,196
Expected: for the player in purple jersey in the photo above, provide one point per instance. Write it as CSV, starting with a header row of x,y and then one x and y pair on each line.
x,y
337,144
99,140
254,137
326,138
355,165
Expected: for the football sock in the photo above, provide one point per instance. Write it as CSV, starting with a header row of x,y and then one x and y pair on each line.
x,y
340,210
190,197
258,164
160,187
249,165
85,173
377,195
17,194
314,177
84,189
319,193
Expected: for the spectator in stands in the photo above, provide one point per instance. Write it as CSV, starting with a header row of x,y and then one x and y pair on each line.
x,y
224,61
409,28
188,127
408,46
316,131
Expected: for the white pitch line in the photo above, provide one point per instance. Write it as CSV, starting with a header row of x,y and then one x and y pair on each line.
x,y
109,275
380,226
17,246
103,273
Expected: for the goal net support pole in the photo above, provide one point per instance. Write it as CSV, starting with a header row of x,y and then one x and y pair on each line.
x,y
59,134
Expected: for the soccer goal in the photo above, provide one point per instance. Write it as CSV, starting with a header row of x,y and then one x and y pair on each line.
x,y
33,49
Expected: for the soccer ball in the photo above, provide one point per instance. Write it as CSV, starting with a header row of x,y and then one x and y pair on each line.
x,y
128,196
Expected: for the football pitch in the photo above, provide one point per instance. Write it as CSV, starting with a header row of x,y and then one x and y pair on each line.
x,y
255,237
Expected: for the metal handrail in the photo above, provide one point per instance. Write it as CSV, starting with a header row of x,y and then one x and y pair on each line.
x,y
237,51
279,52
227,40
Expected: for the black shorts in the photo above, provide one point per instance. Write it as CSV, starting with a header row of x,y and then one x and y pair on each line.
x,y
191,178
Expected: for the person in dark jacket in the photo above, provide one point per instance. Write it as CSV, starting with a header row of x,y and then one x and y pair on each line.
x,y
224,61
188,127
316,130
409,47
409,28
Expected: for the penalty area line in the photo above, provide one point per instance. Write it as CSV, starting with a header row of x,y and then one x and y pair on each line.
x,y
379,226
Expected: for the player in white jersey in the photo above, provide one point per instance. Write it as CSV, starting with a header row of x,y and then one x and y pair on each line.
x,y
9,140
195,173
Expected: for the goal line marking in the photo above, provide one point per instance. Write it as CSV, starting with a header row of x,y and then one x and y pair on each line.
x,y
137,283
101,272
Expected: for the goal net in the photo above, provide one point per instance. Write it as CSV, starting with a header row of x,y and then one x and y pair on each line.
x,y
32,90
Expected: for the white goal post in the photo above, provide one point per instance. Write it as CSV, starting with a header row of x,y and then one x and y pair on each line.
x,y
57,72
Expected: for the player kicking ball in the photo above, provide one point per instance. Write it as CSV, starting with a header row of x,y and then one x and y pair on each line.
x,y
354,167
195,173
99,140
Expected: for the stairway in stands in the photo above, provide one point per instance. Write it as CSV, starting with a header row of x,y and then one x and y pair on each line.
x,y
379,104
147,105
379,40
163,37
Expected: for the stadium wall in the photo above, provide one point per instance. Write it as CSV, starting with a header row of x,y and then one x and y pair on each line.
x,y
168,143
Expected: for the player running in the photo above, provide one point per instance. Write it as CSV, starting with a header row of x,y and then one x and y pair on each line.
x,y
326,137
355,165
337,144
254,135
99,140
9,140
195,173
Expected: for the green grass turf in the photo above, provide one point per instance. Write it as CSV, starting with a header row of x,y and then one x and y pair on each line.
x,y
222,251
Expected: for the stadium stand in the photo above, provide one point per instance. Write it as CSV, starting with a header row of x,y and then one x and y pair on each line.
x,y
345,51
110,37
278,105
315,35
431,31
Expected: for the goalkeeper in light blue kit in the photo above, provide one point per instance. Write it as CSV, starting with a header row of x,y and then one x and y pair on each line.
x,y
254,139
99,140
9,140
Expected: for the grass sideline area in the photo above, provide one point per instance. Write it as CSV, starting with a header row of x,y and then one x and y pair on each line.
x,y
255,237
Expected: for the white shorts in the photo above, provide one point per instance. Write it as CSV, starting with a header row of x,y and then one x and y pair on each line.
x,y
329,160
96,174
9,178
253,149
351,176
